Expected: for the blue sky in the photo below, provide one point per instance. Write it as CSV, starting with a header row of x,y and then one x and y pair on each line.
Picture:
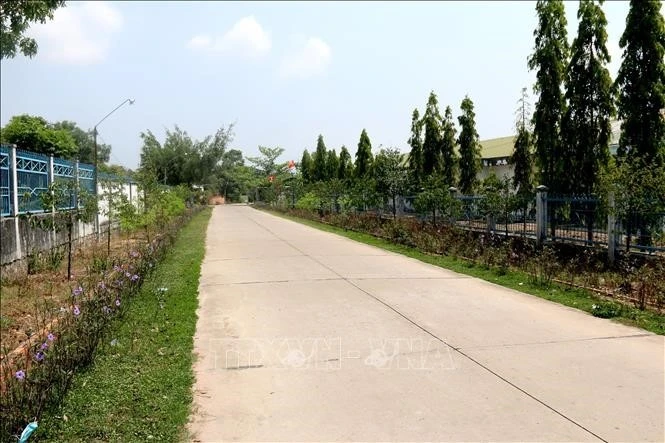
x,y
283,72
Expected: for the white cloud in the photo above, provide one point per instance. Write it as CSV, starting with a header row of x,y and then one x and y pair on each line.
x,y
311,59
79,33
246,38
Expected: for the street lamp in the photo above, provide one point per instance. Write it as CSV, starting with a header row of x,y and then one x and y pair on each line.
x,y
94,131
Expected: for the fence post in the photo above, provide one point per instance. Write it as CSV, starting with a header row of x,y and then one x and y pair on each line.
x,y
541,214
611,229
453,195
14,202
49,184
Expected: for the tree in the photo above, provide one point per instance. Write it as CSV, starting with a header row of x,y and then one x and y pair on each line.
x,y
319,170
641,83
35,134
469,148
391,175
549,61
432,143
363,156
306,167
448,157
521,156
86,143
266,163
345,170
332,165
586,123
15,19
416,143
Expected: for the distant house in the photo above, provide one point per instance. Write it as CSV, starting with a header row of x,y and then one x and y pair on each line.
x,y
496,152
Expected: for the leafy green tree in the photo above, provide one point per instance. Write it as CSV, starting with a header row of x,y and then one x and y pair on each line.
x,y
434,198
345,170
416,143
35,134
521,158
586,124
469,148
364,156
449,158
391,175
319,170
266,164
641,83
15,19
332,165
86,144
306,167
549,60
432,143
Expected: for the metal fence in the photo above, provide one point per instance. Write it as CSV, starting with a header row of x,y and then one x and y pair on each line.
x,y
34,173
576,219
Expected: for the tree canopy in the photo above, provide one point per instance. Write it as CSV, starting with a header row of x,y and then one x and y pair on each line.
x,y
15,19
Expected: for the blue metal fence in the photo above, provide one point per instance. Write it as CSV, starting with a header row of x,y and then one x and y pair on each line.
x,y
33,179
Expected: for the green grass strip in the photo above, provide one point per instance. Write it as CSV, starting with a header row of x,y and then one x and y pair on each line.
x,y
514,279
139,386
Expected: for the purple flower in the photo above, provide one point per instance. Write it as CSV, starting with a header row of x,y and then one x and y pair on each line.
x,y
134,254
77,310
117,268
50,336
106,310
20,375
135,277
77,291
101,285
39,356
43,346
117,302
128,275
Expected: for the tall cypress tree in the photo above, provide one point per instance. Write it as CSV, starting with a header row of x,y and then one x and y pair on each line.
x,y
549,60
364,156
448,156
416,143
586,124
319,171
469,147
306,167
641,84
432,143
345,170
332,165
521,157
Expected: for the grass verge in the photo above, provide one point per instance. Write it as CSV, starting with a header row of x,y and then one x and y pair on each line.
x,y
513,279
139,386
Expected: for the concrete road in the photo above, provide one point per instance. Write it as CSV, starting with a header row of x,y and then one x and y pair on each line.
x,y
307,336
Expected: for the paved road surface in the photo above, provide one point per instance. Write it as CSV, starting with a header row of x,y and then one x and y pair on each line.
x,y
307,336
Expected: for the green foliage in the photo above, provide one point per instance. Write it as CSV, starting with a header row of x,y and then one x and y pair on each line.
x,y
332,165
266,163
549,59
432,142
449,160
306,167
310,201
391,175
469,148
521,158
319,169
364,158
586,123
435,198
641,83
15,19
345,170
35,134
85,143
416,153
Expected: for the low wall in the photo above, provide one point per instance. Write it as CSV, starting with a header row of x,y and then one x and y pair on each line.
x,y
33,239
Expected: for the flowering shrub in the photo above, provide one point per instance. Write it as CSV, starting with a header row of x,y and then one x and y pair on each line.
x,y
36,376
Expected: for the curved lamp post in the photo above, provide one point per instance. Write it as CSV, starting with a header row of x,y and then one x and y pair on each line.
x,y
94,131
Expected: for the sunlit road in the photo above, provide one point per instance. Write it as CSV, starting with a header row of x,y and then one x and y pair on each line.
x,y
307,336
